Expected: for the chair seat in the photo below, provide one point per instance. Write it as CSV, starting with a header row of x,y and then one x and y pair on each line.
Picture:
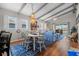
x,y
39,41
29,42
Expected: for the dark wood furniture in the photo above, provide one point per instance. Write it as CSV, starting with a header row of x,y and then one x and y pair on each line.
x,y
5,42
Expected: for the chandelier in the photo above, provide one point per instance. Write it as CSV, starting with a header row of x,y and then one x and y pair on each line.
x,y
33,19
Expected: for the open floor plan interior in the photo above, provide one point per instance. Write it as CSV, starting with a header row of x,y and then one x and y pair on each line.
x,y
39,29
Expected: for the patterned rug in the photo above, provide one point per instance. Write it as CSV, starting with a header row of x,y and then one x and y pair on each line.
x,y
20,50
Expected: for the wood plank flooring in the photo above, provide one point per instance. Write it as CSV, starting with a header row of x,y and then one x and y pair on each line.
x,y
52,50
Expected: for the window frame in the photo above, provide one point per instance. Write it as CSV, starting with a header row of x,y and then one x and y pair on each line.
x,y
24,26
11,24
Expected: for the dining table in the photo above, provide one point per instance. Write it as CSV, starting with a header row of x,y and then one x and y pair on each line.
x,y
34,36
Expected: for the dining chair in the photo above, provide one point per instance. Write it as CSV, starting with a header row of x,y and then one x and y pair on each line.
x,y
5,38
56,37
27,40
49,37
41,43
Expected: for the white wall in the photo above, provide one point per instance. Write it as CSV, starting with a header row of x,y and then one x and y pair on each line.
x,y
78,19
77,12
42,26
5,16
78,32
1,21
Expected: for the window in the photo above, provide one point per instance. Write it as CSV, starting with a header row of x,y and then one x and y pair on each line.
x,y
12,22
11,25
64,27
23,25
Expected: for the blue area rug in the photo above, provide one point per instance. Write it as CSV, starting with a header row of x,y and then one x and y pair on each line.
x,y
20,50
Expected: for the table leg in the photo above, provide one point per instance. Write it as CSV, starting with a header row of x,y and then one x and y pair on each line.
x,y
34,43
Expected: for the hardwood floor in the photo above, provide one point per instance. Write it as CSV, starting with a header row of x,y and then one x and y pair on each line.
x,y
52,50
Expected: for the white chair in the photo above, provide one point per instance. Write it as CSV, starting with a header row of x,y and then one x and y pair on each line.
x,y
41,43
26,39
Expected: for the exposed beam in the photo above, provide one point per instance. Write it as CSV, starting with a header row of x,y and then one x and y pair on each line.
x,y
75,7
51,10
60,11
23,5
64,13
77,19
41,7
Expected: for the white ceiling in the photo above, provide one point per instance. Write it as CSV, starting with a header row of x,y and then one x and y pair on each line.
x,y
11,6
27,10
55,11
46,9
57,14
